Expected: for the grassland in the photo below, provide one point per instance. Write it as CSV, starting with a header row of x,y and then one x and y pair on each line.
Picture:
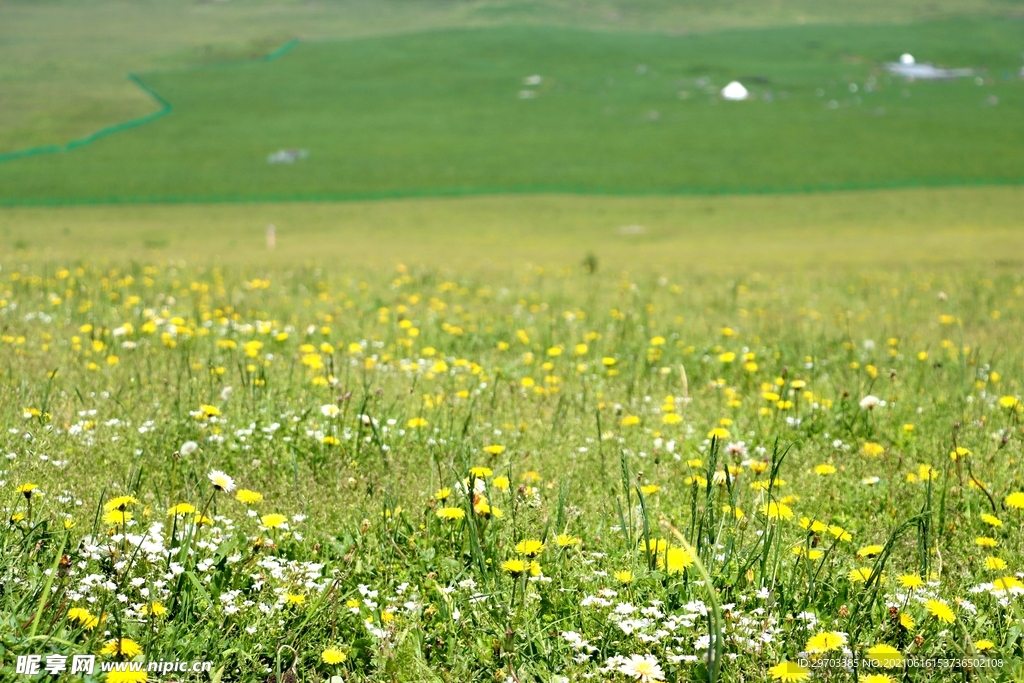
x,y
506,472
63,64
444,113
934,228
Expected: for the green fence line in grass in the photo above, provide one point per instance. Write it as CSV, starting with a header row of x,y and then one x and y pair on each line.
x,y
165,109
498,191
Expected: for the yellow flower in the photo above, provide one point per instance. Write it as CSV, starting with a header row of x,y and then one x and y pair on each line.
x,y
1007,583
127,676
991,520
859,575
907,621
480,472
994,563
273,520
825,642
775,510
877,678
451,514
825,469
650,489
940,611
248,497
529,547
494,449
885,655
181,509
960,453
513,567
565,540
789,672
27,490
119,503
84,617
154,609
416,422
630,420
983,645
624,577
1015,500
295,599
911,581
1008,401
869,551
208,411
443,493
501,483
986,542
872,450
333,655
840,533
117,517
126,647
719,433
675,560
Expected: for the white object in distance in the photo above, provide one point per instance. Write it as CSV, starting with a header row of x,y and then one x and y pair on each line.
x,y
906,58
735,92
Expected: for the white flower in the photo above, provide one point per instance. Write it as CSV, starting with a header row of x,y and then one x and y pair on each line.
x,y
643,668
330,410
188,448
869,402
221,481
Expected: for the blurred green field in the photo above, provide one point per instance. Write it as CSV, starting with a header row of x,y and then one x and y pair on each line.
x,y
448,112
937,228
63,62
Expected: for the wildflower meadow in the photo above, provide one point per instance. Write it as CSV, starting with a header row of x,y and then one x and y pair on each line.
x,y
520,473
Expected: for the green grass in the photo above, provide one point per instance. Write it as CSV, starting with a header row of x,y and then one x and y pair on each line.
x,y
63,62
867,229
364,399
440,113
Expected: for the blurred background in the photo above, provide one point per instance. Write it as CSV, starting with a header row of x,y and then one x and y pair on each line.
x,y
450,131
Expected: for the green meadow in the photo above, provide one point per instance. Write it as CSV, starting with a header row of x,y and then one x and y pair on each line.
x,y
541,109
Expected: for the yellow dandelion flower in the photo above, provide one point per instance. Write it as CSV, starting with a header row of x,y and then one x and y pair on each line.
x,y
565,540
119,503
333,655
126,647
83,617
775,510
870,550
117,517
993,563
248,497
624,577
825,642
789,672
451,514
513,567
529,547
940,611
911,581
181,510
1015,500
273,520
